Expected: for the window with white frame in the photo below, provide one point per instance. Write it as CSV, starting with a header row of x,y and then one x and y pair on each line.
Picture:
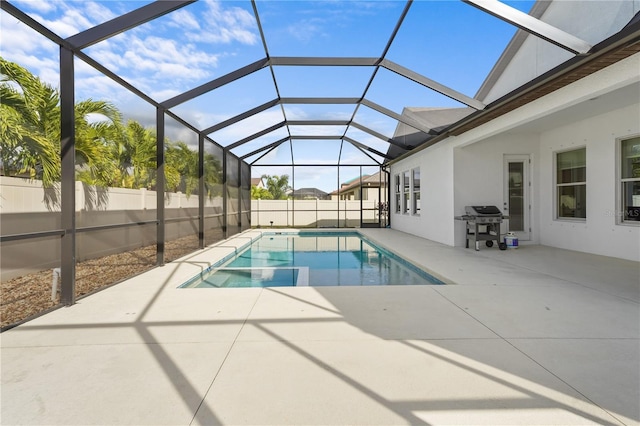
x,y
630,180
397,194
571,184
415,187
407,192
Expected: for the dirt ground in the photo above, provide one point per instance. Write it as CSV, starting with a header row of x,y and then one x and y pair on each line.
x,y
24,296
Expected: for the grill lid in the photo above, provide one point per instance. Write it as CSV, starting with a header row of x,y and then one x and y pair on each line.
x,y
483,211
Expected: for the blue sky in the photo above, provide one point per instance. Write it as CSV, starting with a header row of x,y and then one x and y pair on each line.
x,y
447,41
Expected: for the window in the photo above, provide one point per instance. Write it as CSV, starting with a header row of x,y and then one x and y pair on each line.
x,y
407,192
415,184
397,179
630,179
571,184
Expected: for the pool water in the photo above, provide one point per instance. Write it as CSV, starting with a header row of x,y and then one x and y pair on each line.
x,y
312,259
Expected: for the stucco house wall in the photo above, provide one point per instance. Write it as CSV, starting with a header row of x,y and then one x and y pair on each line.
x,y
435,221
601,232
593,112
479,176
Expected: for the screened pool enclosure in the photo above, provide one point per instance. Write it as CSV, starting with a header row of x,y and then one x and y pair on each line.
x,y
152,119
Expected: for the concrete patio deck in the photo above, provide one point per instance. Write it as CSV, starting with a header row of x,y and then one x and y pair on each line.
x,y
535,335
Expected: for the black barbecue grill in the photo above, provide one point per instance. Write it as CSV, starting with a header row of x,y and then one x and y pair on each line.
x,y
483,224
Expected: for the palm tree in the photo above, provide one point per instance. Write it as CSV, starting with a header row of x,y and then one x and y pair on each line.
x,y
212,175
277,186
28,134
181,167
133,150
260,193
108,153
30,130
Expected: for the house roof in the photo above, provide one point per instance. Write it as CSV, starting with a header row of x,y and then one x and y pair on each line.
x,y
309,192
372,181
435,119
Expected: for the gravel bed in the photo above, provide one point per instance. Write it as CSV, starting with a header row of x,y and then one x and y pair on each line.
x,y
25,296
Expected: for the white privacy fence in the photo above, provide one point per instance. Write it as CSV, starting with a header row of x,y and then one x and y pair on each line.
x,y
28,196
314,213
26,207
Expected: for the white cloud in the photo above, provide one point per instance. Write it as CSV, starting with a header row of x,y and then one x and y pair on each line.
x,y
154,58
98,12
184,20
42,6
248,126
105,54
152,63
164,94
30,50
226,25
307,30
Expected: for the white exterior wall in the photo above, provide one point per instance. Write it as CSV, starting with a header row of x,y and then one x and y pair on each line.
x,y
599,233
468,169
479,176
435,221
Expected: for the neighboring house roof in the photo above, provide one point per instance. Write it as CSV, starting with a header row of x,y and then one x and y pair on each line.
x,y
349,182
371,181
309,193
257,182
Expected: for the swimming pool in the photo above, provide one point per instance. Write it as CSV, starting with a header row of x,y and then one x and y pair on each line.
x,y
311,259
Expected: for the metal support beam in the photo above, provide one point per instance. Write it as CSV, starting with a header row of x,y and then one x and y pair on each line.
x,y
266,52
214,84
365,147
326,61
270,146
376,163
319,101
316,137
392,37
532,25
381,136
67,178
255,135
125,22
359,149
33,24
239,183
267,152
225,195
202,194
160,186
398,117
317,122
361,205
265,106
433,85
